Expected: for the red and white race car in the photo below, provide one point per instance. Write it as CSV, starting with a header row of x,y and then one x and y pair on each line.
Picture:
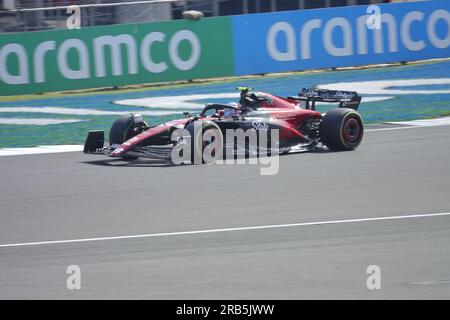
x,y
299,127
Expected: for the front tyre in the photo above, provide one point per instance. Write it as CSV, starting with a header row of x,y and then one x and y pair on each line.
x,y
125,128
342,129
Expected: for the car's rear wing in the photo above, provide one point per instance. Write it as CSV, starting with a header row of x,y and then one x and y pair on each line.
x,y
346,99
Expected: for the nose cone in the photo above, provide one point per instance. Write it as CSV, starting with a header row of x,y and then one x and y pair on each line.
x,y
118,152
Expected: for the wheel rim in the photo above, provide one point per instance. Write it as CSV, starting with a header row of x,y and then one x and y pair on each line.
x,y
207,143
201,145
352,131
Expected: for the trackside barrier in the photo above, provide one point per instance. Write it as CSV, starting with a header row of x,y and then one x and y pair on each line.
x,y
115,55
120,55
338,37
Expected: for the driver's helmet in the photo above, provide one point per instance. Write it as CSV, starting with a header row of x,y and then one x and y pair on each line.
x,y
253,100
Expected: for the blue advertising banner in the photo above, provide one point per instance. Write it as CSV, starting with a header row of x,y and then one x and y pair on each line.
x,y
337,37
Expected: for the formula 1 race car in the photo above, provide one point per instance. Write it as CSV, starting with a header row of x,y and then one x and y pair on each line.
x,y
299,127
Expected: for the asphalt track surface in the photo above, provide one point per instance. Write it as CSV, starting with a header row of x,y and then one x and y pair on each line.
x,y
75,196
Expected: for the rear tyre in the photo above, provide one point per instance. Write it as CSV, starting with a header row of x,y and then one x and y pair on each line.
x,y
212,134
342,129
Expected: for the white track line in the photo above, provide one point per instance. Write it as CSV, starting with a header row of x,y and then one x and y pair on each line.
x,y
393,128
437,122
78,148
40,150
274,226
402,128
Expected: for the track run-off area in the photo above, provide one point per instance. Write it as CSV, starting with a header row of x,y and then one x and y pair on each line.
x,y
148,230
